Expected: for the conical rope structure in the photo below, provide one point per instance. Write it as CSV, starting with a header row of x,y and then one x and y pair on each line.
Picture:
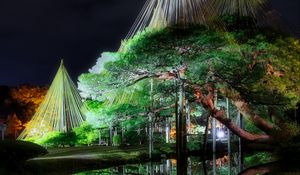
x,y
61,110
157,14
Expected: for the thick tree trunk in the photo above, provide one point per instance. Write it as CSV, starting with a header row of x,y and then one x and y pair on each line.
x,y
219,115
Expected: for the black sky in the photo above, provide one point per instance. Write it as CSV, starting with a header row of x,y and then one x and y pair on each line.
x,y
36,34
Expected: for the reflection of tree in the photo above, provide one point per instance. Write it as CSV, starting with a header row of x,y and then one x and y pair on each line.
x,y
284,166
269,168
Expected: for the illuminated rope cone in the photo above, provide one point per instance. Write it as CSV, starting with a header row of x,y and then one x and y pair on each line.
x,y
157,14
61,110
239,7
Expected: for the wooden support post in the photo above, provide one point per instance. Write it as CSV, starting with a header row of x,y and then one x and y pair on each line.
x,y
181,142
150,169
214,133
183,119
228,138
139,134
110,135
176,117
99,136
205,138
189,171
214,123
150,136
150,116
214,164
241,156
188,112
167,130
123,134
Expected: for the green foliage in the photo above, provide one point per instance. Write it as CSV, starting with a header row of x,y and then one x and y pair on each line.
x,y
229,56
288,132
259,158
55,139
258,65
195,142
85,134
51,139
117,140
132,137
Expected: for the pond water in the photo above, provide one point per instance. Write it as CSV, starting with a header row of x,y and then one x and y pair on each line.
x,y
252,164
195,166
164,167
189,166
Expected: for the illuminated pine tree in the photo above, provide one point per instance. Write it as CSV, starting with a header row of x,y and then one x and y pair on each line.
x,y
61,110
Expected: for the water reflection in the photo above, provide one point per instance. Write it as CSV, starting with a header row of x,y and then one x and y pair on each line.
x,y
192,166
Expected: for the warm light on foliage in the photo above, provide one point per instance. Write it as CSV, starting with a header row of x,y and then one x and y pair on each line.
x,y
29,98
14,126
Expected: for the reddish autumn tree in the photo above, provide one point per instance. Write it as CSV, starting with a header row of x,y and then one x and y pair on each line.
x,y
28,98
14,125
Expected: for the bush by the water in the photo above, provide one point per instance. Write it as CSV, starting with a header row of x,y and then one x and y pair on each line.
x,y
83,135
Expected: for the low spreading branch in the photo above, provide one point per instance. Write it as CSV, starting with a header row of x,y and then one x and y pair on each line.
x,y
207,101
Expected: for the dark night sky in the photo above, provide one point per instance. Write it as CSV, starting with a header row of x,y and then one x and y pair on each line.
x,y
36,34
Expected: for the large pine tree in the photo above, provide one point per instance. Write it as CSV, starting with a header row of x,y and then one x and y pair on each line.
x,y
257,69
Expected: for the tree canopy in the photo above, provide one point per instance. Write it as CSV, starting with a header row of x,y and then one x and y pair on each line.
x,y
256,68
